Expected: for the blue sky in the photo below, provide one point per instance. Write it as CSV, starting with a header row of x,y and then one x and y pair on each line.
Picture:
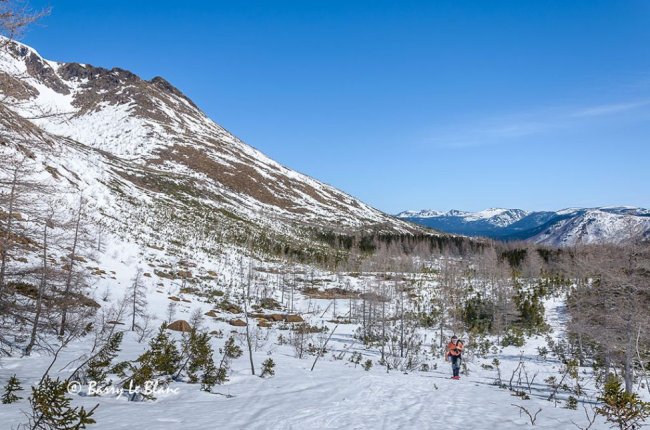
x,y
404,104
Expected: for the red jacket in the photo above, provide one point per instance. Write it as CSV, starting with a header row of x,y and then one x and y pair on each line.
x,y
454,349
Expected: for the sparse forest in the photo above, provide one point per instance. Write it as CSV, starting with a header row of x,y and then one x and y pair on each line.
x,y
135,284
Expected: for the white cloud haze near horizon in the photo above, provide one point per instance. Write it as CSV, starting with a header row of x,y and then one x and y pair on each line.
x,y
507,128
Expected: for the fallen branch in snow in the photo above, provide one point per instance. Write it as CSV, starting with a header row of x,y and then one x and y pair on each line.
x,y
327,309
590,419
228,396
346,349
533,418
325,344
553,394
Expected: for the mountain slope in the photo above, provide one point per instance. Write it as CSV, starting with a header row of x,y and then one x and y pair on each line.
x,y
594,226
143,152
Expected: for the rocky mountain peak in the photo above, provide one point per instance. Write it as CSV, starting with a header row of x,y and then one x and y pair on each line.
x,y
168,148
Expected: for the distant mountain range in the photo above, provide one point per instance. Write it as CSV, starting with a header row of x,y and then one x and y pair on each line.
x,y
560,228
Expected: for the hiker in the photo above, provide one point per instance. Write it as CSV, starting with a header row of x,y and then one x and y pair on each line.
x,y
454,351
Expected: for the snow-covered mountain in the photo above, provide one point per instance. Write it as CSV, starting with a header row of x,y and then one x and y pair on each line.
x,y
611,224
600,225
483,223
425,213
494,216
147,157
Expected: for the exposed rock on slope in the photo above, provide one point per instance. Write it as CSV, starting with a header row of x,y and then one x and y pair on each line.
x,y
149,159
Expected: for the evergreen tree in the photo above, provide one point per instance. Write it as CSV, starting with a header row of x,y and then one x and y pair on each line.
x,y
198,360
268,368
200,352
210,376
478,314
163,356
51,409
530,307
12,386
135,384
230,351
97,369
158,364
222,374
120,368
621,408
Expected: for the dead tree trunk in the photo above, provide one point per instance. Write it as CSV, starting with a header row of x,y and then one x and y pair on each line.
x,y
247,292
73,256
7,231
41,292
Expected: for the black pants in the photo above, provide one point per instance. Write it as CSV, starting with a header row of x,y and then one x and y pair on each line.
x,y
455,364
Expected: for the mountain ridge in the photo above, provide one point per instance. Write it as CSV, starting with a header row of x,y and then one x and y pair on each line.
x,y
144,143
565,227
152,123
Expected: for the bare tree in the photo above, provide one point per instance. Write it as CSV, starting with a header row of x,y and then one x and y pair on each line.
x,y
197,319
16,16
246,286
16,202
448,298
137,296
80,236
171,311
609,302
46,274
533,264
532,417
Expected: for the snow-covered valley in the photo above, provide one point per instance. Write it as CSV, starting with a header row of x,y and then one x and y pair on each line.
x,y
338,393
128,215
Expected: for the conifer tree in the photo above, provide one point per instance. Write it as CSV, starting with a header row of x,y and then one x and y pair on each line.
x,y
623,409
12,386
210,376
268,368
232,350
200,355
163,356
51,409
98,368
159,363
198,359
229,352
